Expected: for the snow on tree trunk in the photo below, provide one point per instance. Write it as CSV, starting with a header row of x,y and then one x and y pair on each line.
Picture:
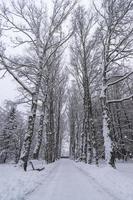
x,y
107,140
28,136
94,139
40,133
31,122
108,143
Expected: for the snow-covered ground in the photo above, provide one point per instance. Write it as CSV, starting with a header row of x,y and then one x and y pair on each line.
x,y
67,180
126,169
15,184
117,183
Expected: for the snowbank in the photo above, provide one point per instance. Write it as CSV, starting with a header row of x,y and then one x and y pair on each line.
x,y
15,184
113,181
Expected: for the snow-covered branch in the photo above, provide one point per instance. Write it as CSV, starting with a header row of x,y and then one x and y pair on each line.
x,y
120,79
120,100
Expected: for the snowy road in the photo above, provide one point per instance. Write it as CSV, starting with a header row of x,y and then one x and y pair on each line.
x,y
68,182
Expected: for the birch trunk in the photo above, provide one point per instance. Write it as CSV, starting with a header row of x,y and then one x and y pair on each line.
x,y
31,122
108,143
28,136
40,133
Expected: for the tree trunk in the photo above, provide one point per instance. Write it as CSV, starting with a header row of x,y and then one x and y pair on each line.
x,y
58,132
72,137
40,133
88,147
31,122
50,135
108,143
28,136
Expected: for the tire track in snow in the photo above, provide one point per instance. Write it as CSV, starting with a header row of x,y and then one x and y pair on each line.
x,y
94,181
66,173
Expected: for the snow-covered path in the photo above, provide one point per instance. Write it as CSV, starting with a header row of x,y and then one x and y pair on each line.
x,y
68,182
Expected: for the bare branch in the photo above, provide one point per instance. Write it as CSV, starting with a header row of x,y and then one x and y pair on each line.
x,y
120,100
121,79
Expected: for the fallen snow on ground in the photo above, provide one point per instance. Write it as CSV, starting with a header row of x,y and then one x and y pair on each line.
x,y
15,184
67,180
69,183
126,168
118,182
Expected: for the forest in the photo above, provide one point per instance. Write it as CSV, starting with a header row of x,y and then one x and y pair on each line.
x,y
72,65
89,97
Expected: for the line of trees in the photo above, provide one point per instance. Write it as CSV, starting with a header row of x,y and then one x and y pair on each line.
x,y
97,102
38,33
101,56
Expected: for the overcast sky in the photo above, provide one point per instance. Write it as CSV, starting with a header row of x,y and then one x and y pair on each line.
x,y
8,87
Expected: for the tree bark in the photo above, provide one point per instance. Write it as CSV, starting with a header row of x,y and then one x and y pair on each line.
x,y
31,122
58,138
40,133
108,143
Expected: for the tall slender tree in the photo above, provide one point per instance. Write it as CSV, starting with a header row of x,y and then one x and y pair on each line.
x,y
116,36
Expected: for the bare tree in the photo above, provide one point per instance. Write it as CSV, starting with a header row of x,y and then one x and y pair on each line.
x,y
42,36
75,117
85,62
116,36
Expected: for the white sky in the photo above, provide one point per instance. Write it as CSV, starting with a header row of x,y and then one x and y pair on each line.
x,y
8,87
